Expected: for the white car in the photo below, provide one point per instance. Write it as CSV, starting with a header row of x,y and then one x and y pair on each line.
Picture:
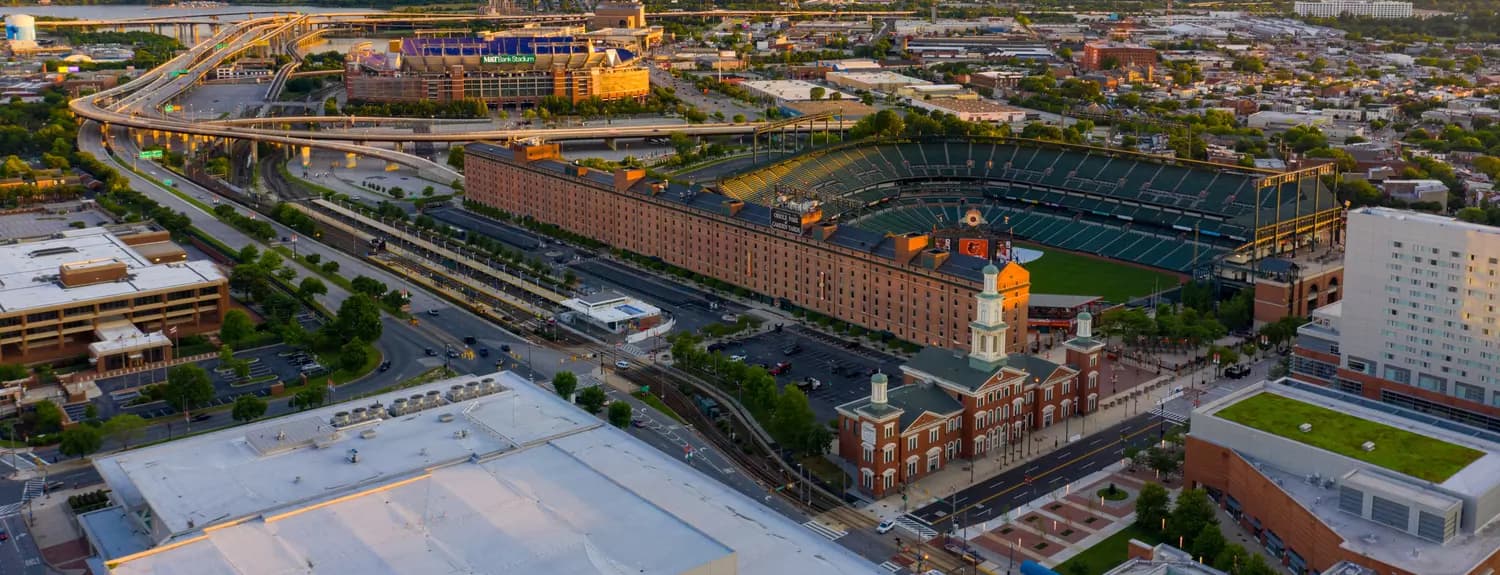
x,y
622,364
885,526
737,357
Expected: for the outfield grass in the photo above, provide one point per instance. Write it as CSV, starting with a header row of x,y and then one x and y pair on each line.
x,y
1109,553
1395,449
1060,272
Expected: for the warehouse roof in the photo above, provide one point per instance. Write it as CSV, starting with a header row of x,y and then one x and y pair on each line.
x,y
514,481
29,270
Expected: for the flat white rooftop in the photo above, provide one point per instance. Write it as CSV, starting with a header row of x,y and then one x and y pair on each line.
x,y
518,481
28,270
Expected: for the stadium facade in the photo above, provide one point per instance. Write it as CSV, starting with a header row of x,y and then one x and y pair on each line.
x,y
898,283
511,67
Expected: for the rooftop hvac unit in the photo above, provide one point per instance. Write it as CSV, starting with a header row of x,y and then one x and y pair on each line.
x,y
445,418
414,404
340,419
360,414
367,434
434,398
457,393
1368,446
398,407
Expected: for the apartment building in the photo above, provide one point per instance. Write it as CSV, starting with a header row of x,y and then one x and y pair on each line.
x,y
901,284
1419,325
1337,8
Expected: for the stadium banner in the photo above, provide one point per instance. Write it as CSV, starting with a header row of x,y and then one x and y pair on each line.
x,y
1002,252
786,220
508,59
979,248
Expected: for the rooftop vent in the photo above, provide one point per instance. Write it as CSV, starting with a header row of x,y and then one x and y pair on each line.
x,y
1368,446
445,418
1304,428
367,434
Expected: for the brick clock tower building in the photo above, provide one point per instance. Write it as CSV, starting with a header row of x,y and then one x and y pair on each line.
x,y
956,406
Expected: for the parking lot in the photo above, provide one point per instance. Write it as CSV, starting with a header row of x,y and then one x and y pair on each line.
x,y
267,366
843,372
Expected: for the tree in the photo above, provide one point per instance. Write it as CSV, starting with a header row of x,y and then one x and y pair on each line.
x,y
358,317
619,414
11,371
48,416
1162,461
237,326
817,93
794,425
309,397
91,414
1151,507
248,254
1192,512
187,386
313,258
592,399
310,288
1208,543
80,441
1230,558
394,299
367,285
353,355
565,383
124,427
330,267
248,408
1256,565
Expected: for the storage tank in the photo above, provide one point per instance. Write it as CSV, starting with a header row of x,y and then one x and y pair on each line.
x,y
20,27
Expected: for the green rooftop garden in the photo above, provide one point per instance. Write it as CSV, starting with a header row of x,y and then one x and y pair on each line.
x,y
1395,449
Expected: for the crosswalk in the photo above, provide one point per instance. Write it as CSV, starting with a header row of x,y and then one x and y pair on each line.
x,y
890,566
824,530
917,526
34,488
10,509
1169,415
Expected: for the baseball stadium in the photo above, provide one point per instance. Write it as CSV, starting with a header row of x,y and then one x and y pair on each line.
x,y
1082,220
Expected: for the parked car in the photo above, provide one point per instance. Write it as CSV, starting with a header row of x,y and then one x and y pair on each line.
x,y
781,368
810,384
4,536
791,349
622,364
737,357
717,346
1237,371
885,526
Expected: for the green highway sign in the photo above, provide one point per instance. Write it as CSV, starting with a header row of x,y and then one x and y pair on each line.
x,y
168,108
508,59
221,46
150,155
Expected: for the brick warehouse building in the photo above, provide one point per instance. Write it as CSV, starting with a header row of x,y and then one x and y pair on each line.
x,y
989,397
1313,497
895,283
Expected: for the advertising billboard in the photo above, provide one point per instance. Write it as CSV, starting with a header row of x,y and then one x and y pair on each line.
x,y
979,248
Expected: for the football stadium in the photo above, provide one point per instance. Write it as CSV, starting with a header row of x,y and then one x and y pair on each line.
x,y
1073,215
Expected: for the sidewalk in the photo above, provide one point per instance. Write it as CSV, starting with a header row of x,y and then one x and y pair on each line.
x,y
56,533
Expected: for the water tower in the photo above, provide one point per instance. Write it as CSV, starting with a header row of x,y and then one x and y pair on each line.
x,y
20,27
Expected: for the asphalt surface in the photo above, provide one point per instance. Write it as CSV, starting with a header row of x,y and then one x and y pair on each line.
x,y
819,357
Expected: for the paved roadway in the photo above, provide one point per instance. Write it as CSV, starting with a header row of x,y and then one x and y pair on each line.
x,y
994,496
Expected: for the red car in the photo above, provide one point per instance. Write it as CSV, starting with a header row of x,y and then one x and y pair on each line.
x,y
781,368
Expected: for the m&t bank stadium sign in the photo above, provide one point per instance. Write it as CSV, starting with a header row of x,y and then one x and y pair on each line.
x,y
508,59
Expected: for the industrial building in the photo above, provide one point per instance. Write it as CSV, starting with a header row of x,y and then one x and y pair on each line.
x,y
1321,478
1099,55
510,67
901,284
114,295
1417,324
474,474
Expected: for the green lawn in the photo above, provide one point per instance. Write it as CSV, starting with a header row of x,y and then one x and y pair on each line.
x,y
657,403
1395,449
1109,553
1059,272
